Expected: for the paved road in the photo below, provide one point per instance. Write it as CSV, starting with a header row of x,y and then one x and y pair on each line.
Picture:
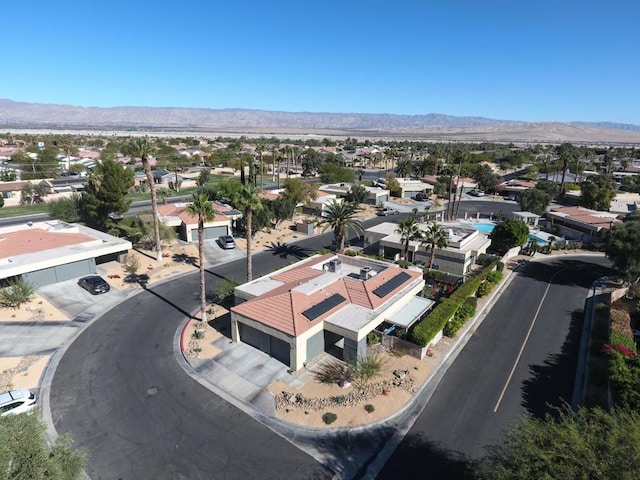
x,y
477,399
119,390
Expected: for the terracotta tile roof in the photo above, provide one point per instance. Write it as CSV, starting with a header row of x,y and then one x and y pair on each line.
x,y
585,215
282,308
181,212
268,195
12,186
37,240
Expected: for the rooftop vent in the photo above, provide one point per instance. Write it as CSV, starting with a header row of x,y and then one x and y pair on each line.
x,y
335,265
365,273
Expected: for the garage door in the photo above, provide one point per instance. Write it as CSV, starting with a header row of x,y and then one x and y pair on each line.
x,y
272,346
210,233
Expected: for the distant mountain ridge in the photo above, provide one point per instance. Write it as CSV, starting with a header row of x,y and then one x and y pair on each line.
x,y
439,126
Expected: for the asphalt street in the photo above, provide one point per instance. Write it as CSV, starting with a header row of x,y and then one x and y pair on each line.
x,y
120,392
522,359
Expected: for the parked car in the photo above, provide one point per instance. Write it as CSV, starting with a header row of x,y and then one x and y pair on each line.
x,y
94,284
421,197
17,401
386,211
226,242
476,193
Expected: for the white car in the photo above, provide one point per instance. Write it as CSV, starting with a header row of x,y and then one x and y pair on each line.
x,y
17,401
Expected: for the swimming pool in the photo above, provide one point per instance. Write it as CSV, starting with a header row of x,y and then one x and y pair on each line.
x,y
488,228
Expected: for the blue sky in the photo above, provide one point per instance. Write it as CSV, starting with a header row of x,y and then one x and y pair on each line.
x,y
561,60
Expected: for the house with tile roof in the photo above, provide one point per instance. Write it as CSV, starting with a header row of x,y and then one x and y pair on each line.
x,y
54,251
581,224
465,245
175,215
325,303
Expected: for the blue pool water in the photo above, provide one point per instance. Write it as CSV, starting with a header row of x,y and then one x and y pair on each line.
x,y
488,228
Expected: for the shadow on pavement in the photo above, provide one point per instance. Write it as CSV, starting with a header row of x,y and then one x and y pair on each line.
x,y
416,453
168,302
569,271
284,250
551,384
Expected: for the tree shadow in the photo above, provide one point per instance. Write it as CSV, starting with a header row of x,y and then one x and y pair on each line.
x,y
141,279
416,453
566,271
169,302
284,250
551,384
184,258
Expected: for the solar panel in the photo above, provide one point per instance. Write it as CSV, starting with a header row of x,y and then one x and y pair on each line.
x,y
324,306
389,286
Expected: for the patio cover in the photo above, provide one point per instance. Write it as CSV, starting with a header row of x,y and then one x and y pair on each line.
x,y
411,313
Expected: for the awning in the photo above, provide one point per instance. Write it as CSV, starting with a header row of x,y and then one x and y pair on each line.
x,y
411,312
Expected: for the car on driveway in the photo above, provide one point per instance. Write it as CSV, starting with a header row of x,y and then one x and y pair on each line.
x,y
16,401
384,212
476,193
94,284
226,242
421,197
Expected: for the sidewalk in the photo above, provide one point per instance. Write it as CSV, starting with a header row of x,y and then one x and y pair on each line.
x,y
243,375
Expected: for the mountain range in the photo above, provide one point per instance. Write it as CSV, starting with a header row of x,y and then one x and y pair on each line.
x,y
22,115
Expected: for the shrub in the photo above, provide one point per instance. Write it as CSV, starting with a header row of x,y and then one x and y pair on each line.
x,y
618,338
369,408
499,266
367,367
351,253
335,372
403,263
494,277
484,289
624,376
328,418
17,292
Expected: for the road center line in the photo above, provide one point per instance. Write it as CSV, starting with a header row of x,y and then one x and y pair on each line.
x,y
524,344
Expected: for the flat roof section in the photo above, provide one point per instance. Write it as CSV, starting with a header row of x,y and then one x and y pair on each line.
x,y
411,312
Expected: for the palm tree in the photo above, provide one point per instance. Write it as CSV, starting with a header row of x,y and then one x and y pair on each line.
x,y
260,148
202,208
340,217
435,237
247,200
140,147
408,230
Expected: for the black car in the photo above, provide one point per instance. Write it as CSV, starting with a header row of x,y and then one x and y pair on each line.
x,y
94,284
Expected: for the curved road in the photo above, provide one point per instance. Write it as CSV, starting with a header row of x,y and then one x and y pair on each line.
x,y
120,391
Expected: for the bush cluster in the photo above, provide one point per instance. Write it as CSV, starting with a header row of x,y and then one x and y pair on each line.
x,y
624,378
464,313
329,418
425,330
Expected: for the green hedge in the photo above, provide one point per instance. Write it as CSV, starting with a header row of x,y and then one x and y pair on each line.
x,y
464,313
428,328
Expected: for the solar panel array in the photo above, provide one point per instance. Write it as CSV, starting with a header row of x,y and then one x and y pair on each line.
x,y
324,306
390,285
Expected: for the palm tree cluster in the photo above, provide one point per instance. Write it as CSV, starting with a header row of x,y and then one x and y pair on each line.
x,y
433,237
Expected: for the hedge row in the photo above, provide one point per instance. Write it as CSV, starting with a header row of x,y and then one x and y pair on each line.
x,y
429,327
464,313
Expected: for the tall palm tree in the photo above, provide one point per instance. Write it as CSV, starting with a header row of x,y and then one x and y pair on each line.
x,y
202,208
141,147
247,200
340,217
408,230
435,237
260,148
